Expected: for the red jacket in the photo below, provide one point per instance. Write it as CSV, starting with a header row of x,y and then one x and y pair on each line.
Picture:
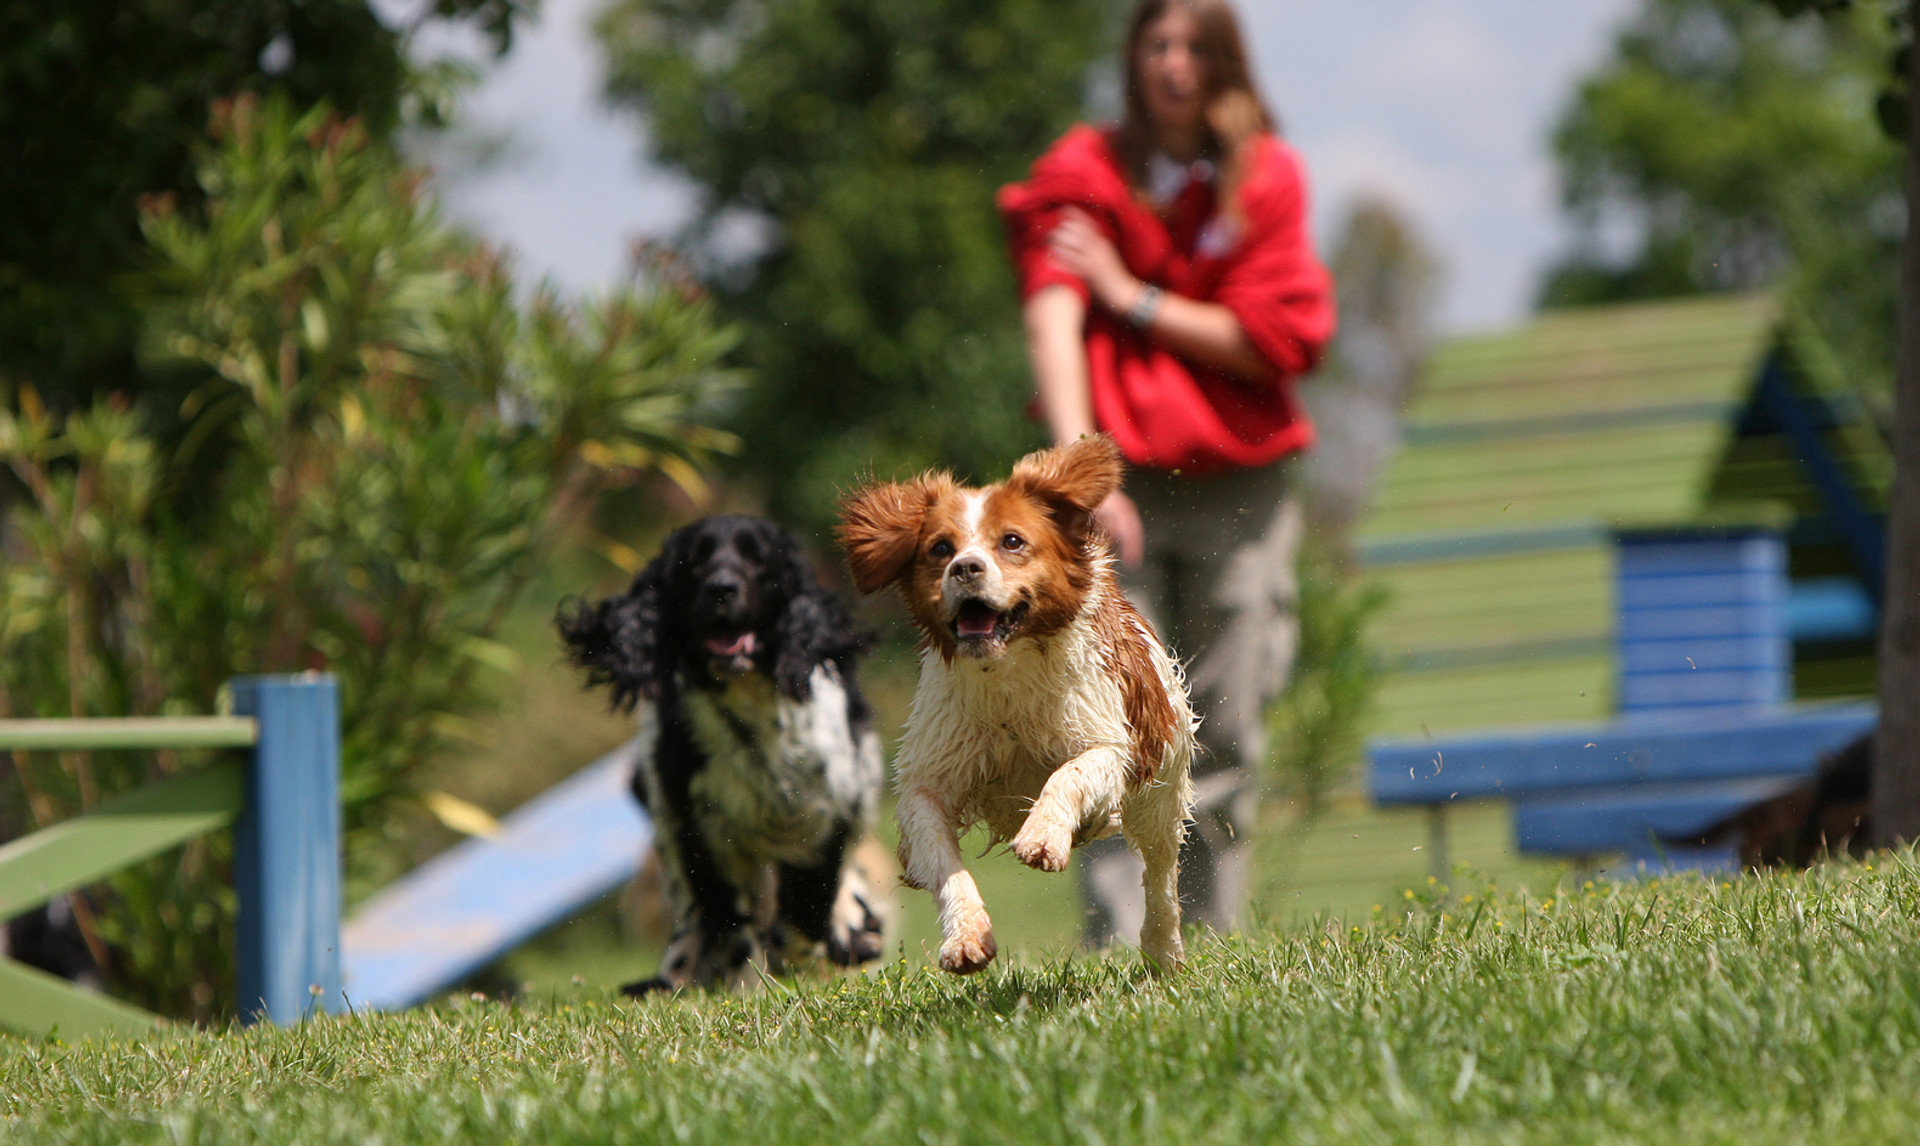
x,y
1165,412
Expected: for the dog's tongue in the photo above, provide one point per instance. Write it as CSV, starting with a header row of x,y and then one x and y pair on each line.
x,y
736,646
976,620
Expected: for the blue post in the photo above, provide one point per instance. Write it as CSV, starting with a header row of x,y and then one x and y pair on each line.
x,y
286,863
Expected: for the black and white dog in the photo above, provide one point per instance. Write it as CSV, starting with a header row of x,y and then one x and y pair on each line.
x,y
759,762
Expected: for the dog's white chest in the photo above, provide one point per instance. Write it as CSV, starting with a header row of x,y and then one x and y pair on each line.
x,y
780,773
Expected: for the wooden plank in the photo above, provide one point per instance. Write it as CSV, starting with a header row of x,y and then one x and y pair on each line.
x,y
1558,565
38,1005
1481,630
1592,378
1570,461
1504,426
1561,389
1752,687
1643,751
1529,597
1831,609
1647,503
473,903
1604,333
1619,820
121,831
1437,547
135,732
1532,693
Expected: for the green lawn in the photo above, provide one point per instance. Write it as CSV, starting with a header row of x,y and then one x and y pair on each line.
x,y
1347,864
1766,1009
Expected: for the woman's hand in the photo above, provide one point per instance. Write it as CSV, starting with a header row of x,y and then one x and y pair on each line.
x,y
1081,248
1121,519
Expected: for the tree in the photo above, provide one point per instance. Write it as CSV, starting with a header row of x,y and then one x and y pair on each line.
x,y
102,101
382,438
1726,147
858,145
1387,281
1896,766
1896,763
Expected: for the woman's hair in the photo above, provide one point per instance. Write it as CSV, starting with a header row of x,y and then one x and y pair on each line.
x,y
1234,111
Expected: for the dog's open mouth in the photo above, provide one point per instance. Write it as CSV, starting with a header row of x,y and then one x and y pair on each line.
x,y
733,651
978,622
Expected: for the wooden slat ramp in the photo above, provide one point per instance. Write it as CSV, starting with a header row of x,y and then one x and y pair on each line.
x,y
466,907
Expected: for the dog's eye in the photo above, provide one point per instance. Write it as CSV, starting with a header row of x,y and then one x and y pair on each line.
x,y
941,549
1013,543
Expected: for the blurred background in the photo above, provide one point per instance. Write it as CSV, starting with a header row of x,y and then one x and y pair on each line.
x,y
355,336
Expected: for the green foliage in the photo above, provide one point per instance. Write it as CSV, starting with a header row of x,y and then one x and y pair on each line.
x,y
1317,726
864,141
103,100
1732,148
381,441
1773,1009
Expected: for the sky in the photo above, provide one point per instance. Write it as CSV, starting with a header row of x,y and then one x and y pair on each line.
x,y
1441,107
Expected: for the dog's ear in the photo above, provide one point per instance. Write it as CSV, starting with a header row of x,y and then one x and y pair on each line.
x,y
880,528
815,628
621,641
812,624
1071,479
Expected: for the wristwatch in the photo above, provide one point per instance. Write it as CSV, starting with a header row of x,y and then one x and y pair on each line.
x,y
1145,306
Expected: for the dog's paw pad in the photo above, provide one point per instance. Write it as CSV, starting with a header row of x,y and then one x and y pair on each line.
x,y
965,955
1043,850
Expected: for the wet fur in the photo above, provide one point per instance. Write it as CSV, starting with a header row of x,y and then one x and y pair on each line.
x,y
1047,708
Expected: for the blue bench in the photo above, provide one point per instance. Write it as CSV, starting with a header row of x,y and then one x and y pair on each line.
x,y
1705,624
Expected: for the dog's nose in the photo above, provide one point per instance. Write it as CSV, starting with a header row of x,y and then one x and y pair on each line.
x,y
968,568
723,589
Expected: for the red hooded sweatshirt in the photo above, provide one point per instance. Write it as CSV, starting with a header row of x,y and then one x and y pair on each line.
x,y
1165,412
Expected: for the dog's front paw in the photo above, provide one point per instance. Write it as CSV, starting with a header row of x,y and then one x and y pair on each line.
x,y
965,954
1043,846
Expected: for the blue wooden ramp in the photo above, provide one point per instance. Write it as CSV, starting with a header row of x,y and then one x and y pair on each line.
x,y
466,907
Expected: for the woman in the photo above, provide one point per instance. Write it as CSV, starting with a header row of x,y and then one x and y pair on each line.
x,y
1171,297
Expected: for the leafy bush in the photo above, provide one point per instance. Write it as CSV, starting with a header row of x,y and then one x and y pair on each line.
x,y
378,442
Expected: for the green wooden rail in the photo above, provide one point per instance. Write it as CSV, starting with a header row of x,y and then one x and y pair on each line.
x,y
152,732
109,838
282,798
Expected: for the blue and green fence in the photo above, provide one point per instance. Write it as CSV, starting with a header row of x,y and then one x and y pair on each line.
x,y
279,792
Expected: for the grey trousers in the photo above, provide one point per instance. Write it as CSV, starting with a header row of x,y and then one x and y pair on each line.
x,y
1220,582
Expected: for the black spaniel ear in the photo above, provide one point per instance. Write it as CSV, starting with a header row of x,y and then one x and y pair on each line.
x,y
620,641
813,624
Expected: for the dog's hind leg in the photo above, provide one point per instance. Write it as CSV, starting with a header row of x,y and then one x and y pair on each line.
x,y
830,902
930,853
858,932
1155,820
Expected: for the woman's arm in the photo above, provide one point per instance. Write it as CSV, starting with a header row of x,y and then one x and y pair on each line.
x,y
1204,332
1057,351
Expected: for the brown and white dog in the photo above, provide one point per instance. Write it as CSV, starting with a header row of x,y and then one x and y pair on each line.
x,y
1047,709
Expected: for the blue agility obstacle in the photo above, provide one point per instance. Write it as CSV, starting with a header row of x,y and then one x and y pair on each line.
x,y
461,910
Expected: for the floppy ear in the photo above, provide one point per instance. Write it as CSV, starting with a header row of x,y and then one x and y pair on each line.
x,y
621,641
1071,479
813,625
880,528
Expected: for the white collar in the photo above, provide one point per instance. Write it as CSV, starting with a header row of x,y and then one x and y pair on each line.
x,y
1167,177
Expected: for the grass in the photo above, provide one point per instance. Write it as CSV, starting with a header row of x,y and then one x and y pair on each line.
x,y
1338,866
1760,1009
